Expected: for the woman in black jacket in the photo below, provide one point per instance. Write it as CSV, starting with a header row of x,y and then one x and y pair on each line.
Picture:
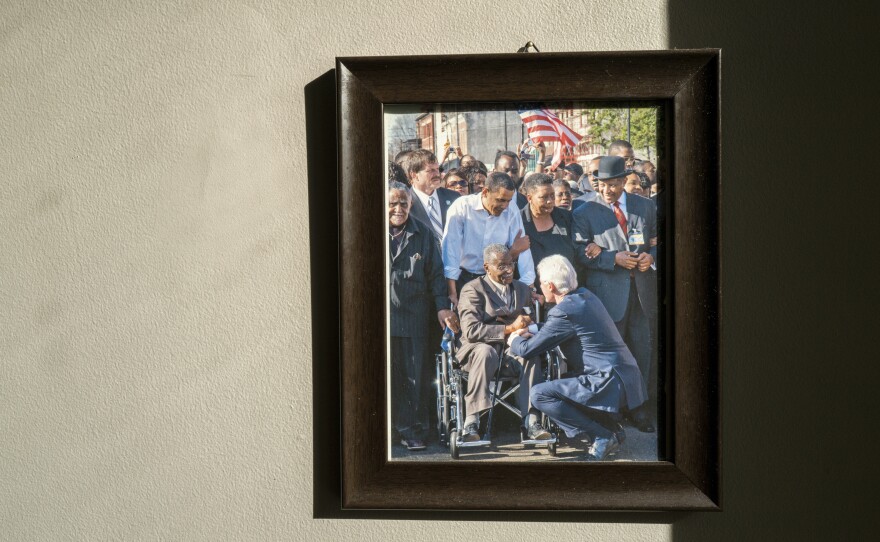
x,y
547,226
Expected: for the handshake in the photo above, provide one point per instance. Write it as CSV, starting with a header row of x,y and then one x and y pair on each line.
x,y
522,322
525,333
521,327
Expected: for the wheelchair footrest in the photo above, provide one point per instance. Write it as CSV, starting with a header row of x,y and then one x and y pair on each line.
x,y
540,442
474,443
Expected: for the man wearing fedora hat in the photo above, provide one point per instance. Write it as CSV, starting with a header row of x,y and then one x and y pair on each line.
x,y
623,275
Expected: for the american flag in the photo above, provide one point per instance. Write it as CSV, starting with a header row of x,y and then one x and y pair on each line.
x,y
544,126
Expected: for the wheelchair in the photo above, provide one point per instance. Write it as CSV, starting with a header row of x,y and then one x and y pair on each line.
x,y
451,382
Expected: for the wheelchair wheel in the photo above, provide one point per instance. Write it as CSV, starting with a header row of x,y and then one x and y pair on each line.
x,y
453,444
442,408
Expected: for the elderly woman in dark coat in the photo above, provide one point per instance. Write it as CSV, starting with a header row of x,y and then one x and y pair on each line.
x,y
417,289
603,378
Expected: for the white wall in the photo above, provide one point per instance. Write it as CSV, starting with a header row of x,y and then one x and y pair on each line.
x,y
154,339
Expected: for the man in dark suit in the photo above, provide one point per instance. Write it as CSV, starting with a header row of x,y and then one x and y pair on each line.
x,y
589,191
623,275
491,307
417,288
602,379
430,201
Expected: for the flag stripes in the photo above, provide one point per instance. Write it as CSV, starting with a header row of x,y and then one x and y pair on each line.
x,y
544,126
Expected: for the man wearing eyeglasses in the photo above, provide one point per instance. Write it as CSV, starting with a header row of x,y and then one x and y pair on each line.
x,y
492,307
590,193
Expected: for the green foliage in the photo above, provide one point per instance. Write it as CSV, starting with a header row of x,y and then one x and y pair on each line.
x,y
643,129
609,124
606,125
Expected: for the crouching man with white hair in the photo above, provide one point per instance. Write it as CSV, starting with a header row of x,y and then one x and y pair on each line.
x,y
603,376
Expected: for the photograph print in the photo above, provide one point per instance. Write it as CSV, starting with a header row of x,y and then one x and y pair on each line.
x,y
523,277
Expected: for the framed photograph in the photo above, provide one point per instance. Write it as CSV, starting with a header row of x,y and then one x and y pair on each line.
x,y
439,409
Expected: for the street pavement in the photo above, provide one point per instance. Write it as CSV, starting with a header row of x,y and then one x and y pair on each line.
x,y
637,447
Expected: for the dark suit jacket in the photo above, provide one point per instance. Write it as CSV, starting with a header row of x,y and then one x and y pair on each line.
x,y
594,351
595,221
419,212
417,286
483,314
582,199
659,200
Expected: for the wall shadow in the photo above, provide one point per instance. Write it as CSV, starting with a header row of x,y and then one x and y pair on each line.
x,y
320,110
796,313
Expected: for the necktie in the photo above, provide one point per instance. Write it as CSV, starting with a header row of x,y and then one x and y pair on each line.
x,y
620,219
434,215
504,293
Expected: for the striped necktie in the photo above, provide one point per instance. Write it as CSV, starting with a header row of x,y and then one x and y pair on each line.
x,y
434,214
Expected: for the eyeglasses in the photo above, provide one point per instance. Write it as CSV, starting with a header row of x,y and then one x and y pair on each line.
x,y
503,266
459,184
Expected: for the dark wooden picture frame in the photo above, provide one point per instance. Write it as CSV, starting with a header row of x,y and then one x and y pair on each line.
x,y
686,84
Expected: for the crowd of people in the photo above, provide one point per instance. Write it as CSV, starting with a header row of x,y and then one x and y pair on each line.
x,y
473,248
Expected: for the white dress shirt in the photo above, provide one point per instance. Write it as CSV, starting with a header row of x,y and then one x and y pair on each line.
x,y
425,197
436,202
470,228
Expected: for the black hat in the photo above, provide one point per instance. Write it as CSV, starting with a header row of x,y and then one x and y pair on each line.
x,y
575,168
611,167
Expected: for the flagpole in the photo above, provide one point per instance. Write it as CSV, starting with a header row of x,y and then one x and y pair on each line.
x,y
505,130
457,128
628,136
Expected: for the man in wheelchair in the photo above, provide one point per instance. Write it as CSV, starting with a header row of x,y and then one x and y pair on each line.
x,y
490,308
603,377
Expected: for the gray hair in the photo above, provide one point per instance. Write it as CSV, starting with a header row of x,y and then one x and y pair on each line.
x,y
558,270
396,185
559,182
495,249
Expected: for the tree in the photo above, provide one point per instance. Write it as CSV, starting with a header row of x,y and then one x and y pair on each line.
x,y
402,128
643,131
608,124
